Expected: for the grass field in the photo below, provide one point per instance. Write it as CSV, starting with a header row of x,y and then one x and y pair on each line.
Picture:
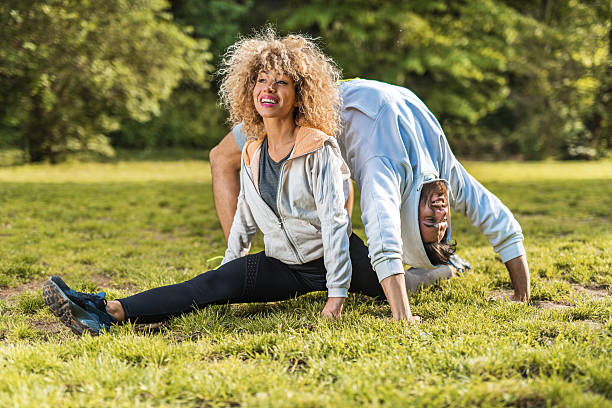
x,y
128,226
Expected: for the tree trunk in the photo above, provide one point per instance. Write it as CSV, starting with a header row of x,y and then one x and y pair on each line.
x,y
35,133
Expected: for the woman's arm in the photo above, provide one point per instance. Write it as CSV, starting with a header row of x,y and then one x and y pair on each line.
x,y
330,175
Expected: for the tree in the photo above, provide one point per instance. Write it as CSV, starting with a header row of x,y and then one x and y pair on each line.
x,y
561,78
71,70
503,77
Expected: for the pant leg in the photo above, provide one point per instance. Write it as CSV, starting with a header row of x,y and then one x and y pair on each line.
x,y
417,279
253,278
365,280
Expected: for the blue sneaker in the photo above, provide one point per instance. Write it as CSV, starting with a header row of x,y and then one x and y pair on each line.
x,y
79,318
84,300
461,265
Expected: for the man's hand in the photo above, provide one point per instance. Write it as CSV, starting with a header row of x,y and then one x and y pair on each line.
x,y
394,287
333,307
519,275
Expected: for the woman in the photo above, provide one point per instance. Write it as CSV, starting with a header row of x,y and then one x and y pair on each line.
x,y
293,188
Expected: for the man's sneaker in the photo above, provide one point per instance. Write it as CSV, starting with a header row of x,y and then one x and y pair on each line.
x,y
461,265
77,318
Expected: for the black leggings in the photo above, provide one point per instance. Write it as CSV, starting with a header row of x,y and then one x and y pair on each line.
x,y
252,278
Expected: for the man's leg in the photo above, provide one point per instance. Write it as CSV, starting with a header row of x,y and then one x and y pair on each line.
x,y
225,170
421,278
365,281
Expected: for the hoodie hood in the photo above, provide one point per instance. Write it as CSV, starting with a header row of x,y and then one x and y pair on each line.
x,y
413,251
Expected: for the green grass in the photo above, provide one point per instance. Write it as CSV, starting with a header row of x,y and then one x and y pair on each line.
x,y
124,227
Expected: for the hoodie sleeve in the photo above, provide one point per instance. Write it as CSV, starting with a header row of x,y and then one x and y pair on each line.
x,y
380,213
481,207
243,229
330,174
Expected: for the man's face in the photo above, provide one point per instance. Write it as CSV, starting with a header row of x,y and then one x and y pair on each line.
x,y
433,216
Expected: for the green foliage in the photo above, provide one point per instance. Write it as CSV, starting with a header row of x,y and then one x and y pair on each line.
x,y
221,21
190,118
562,78
72,70
126,227
504,78
452,54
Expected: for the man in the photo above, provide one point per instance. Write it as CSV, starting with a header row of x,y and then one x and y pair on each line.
x,y
396,149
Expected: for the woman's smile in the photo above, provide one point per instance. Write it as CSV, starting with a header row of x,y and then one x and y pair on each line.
x,y
268,101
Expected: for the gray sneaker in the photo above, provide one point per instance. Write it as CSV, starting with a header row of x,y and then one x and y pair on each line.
x,y
461,265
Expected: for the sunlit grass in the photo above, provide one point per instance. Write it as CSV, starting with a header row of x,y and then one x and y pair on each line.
x,y
124,227
187,171
514,172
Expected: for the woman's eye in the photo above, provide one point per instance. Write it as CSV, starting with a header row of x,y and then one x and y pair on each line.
x,y
282,82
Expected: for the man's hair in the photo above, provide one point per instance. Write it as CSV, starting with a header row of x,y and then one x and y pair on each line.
x,y
438,252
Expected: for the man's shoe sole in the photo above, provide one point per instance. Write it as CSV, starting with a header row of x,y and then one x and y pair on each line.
x,y
60,307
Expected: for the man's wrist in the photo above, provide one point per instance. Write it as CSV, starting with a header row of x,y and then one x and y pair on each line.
x,y
394,287
518,269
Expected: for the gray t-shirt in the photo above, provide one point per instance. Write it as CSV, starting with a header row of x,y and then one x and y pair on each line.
x,y
269,174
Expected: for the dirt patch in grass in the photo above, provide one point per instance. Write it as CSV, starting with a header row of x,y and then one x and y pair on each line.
x,y
596,292
500,294
549,305
590,324
50,327
101,281
506,295
7,293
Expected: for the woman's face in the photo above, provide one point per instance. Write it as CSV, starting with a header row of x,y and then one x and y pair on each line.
x,y
433,217
274,95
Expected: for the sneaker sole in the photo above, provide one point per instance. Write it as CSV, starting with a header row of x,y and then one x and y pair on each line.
x,y
61,308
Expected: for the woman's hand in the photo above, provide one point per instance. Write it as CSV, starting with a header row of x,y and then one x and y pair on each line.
x,y
333,307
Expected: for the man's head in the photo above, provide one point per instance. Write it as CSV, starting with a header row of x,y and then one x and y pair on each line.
x,y
434,214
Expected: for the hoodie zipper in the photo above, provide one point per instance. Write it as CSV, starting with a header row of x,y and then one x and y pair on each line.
x,y
280,218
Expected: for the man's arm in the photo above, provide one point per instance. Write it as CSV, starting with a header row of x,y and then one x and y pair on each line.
x,y
225,169
380,212
519,275
394,287
486,212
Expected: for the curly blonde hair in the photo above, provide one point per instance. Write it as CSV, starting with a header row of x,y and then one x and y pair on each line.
x,y
314,74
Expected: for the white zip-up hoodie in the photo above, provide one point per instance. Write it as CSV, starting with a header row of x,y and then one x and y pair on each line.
x,y
393,144
312,221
